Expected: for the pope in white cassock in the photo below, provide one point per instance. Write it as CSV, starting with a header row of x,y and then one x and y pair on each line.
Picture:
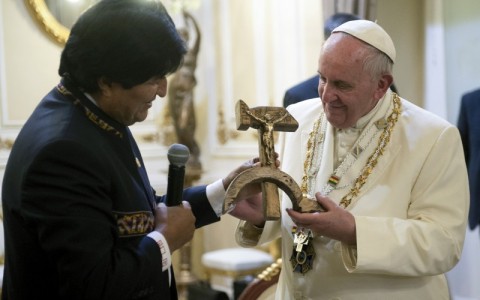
x,y
390,176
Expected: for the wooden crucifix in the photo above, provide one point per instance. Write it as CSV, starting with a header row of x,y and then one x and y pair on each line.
x,y
266,119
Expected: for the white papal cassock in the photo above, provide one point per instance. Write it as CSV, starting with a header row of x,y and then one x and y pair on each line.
x,y
410,214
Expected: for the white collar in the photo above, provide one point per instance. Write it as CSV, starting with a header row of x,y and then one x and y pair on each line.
x,y
89,97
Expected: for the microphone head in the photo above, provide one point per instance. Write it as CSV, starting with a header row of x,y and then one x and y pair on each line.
x,y
178,154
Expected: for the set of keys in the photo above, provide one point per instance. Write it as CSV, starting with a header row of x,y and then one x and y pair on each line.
x,y
303,252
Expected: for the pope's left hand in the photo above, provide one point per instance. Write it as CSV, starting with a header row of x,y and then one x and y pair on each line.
x,y
335,222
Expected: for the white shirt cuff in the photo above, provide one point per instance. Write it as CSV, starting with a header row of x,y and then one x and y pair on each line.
x,y
216,196
164,249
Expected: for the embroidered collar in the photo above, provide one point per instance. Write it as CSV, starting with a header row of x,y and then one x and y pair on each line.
x,y
92,112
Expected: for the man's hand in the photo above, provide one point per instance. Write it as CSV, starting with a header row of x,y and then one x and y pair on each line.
x,y
176,223
250,210
254,162
335,222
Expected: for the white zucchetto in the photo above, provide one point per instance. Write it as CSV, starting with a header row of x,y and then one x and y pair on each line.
x,y
371,33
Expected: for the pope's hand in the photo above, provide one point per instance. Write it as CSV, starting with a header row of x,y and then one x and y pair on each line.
x,y
335,222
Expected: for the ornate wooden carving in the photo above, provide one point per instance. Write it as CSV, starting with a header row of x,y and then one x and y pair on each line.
x,y
266,119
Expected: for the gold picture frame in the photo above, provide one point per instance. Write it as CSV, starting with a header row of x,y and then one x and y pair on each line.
x,y
47,21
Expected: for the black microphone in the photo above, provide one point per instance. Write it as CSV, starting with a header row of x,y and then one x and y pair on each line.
x,y
177,156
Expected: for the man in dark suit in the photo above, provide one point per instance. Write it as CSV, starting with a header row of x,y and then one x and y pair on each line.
x,y
308,89
469,127
81,219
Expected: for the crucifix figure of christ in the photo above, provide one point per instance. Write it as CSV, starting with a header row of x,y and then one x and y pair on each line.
x,y
266,119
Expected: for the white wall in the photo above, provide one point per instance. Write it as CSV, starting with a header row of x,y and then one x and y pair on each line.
x,y
462,41
462,44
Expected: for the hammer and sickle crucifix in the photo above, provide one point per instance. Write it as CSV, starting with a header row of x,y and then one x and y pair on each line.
x,y
267,119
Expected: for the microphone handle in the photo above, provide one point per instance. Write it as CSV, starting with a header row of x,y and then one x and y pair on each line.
x,y
176,177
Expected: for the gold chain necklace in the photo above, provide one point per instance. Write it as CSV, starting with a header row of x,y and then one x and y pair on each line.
x,y
316,138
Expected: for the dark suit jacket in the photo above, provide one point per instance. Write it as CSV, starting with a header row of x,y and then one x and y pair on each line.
x,y
307,89
469,127
77,208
